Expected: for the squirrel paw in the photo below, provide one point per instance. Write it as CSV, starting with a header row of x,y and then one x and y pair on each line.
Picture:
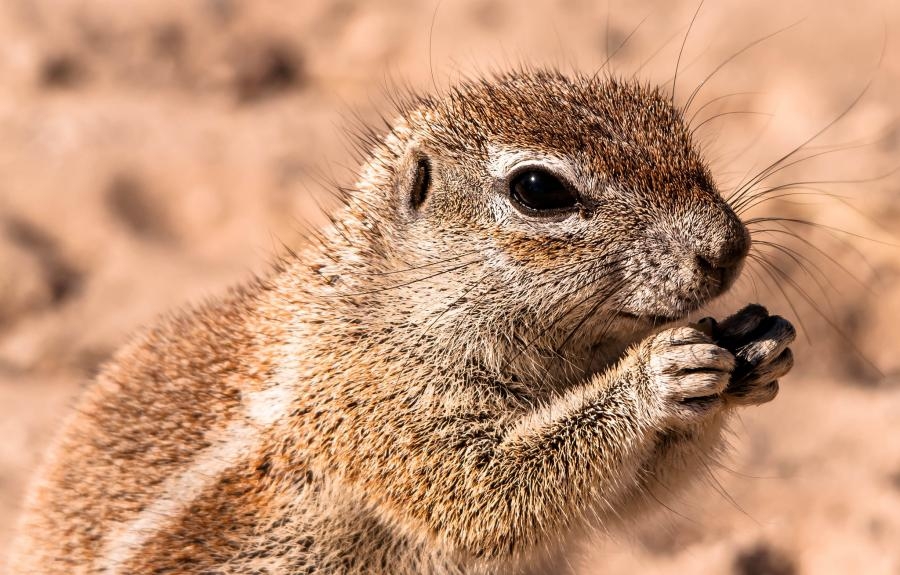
x,y
759,343
690,372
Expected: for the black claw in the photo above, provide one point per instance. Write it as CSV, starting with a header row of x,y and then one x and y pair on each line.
x,y
740,334
747,316
741,327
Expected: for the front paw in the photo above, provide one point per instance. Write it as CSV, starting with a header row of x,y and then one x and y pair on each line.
x,y
688,373
759,342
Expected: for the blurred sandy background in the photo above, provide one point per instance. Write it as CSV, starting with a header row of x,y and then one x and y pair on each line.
x,y
153,152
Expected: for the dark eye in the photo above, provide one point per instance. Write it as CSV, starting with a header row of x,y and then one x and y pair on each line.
x,y
541,191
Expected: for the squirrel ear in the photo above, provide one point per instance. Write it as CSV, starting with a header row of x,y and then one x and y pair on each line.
x,y
413,178
421,182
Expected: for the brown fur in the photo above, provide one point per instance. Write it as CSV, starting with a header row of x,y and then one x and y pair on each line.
x,y
449,388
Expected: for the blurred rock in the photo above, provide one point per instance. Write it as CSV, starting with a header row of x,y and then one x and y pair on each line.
x,y
170,41
763,559
130,202
23,287
264,68
667,540
62,71
37,273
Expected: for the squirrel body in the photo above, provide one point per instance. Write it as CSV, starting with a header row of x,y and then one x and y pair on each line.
x,y
468,369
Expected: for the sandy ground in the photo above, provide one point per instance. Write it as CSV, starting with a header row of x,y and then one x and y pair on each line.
x,y
154,152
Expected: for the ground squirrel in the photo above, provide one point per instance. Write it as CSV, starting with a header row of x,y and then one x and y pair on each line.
x,y
469,369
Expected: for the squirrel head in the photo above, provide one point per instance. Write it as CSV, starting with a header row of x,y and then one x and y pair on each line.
x,y
551,208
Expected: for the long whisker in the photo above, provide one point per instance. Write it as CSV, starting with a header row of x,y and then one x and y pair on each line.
x,y
815,192
819,250
766,266
729,113
419,267
623,43
681,50
408,283
803,262
590,313
728,60
754,221
753,276
655,53
766,172
553,279
847,339
737,196
738,203
612,291
714,100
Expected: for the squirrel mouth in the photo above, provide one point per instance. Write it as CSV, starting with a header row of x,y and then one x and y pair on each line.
x,y
651,319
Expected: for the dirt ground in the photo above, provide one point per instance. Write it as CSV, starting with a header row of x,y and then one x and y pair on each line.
x,y
154,152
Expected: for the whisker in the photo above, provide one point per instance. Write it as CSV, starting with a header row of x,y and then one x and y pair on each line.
x,y
681,50
822,252
766,266
847,339
766,172
649,492
462,297
581,267
753,276
612,316
816,192
717,99
409,283
803,222
737,196
590,313
622,44
419,267
431,45
802,261
728,60
800,184
612,291
655,54
720,489
731,113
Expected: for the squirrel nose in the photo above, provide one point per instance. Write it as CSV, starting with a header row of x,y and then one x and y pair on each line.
x,y
723,260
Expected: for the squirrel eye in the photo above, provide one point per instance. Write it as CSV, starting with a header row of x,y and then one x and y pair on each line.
x,y
541,191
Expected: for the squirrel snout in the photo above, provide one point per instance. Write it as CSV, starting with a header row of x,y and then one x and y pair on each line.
x,y
722,260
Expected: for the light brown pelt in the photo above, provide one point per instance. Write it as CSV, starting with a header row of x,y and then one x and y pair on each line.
x,y
448,381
